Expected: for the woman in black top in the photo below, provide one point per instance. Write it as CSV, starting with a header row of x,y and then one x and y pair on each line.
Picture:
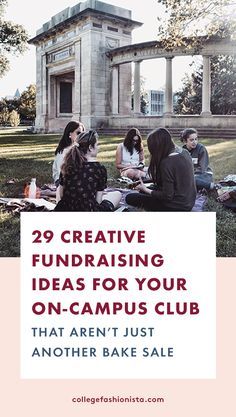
x,y
83,179
171,171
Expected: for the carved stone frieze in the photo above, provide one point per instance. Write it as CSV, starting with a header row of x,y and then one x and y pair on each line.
x,y
112,43
61,55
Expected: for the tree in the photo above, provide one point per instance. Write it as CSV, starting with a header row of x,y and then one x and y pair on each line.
x,y
6,107
143,103
223,83
27,106
4,116
189,98
143,96
14,118
186,21
13,39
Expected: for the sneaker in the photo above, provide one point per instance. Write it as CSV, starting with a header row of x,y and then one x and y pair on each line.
x,y
122,208
125,180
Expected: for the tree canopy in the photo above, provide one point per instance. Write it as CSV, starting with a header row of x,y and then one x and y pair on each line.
x,y
143,96
186,22
223,88
25,106
13,39
27,100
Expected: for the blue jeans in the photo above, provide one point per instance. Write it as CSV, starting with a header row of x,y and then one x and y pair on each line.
x,y
203,181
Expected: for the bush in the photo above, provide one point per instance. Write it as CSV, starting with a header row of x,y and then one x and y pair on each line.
x,y
14,118
4,117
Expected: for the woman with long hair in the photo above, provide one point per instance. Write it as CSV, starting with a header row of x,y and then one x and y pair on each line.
x,y
171,171
83,179
70,133
130,156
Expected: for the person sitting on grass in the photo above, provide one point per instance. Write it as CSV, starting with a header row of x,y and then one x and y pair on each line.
x,y
69,136
202,172
83,179
171,171
130,156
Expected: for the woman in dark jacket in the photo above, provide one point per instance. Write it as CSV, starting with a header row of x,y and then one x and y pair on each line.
x,y
171,171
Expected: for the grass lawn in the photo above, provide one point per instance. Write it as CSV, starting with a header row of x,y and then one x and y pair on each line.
x,y
23,156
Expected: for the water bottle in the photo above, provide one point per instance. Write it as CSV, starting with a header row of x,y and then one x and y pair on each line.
x,y
32,188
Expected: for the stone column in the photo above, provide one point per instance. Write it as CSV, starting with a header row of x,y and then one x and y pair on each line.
x,y
52,107
115,89
44,86
168,89
206,87
77,85
38,119
137,87
44,93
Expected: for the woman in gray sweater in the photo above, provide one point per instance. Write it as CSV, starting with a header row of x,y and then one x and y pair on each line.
x,y
202,172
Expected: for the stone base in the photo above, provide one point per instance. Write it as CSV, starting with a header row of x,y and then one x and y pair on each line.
x,y
145,122
59,124
168,114
206,114
95,122
176,121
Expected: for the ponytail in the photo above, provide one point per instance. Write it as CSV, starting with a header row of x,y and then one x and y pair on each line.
x,y
73,160
76,154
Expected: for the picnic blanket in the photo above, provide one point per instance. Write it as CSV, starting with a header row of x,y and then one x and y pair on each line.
x,y
229,181
198,206
17,205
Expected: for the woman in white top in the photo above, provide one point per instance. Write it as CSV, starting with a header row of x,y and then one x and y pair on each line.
x,y
69,136
130,156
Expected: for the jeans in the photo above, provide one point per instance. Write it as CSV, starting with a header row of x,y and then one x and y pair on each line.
x,y
203,181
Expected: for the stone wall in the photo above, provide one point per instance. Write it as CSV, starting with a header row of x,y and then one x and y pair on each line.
x,y
152,122
76,41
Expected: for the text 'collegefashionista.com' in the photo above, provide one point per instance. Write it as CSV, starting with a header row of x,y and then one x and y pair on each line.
x,y
83,399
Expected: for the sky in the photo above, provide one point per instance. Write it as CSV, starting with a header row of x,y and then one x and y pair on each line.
x,y
32,15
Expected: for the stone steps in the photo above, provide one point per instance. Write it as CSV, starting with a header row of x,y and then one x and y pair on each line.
x,y
213,133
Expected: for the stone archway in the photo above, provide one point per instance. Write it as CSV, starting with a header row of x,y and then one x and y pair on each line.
x,y
153,50
84,54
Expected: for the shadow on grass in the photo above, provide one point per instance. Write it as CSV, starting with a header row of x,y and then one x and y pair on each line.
x,y
29,140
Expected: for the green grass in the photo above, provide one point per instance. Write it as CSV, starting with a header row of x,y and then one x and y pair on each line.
x,y
24,156
226,229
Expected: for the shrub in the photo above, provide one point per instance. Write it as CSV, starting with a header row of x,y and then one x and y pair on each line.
x,y
14,118
4,116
